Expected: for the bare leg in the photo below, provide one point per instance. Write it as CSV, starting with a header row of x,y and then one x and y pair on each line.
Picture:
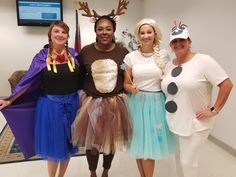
x,y
63,167
140,167
148,167
52,168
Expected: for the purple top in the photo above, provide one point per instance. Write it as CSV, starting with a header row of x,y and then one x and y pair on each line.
x,y
20,115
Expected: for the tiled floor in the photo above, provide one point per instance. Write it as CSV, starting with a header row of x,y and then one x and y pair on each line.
x,y
214,162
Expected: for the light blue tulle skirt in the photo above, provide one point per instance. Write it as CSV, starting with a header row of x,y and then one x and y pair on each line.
x,y
54,116
151,137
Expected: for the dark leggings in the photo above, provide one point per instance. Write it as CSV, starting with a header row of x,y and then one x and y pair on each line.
x,y
93,156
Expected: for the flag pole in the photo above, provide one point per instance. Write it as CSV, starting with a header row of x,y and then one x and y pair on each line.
x,y
77,45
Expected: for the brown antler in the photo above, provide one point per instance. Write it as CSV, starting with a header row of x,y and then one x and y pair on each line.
x,y
121,6
84,6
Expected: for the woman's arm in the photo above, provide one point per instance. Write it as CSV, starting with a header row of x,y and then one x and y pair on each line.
x,y
128,83
225,88
5,103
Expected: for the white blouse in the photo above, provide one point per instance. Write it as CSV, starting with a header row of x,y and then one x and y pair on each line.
x,y
146,74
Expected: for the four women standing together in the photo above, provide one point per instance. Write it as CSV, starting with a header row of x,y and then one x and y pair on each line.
x,y
102,123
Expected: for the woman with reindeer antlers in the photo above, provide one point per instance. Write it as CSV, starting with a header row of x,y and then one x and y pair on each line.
x,y
188,85
151,138
102,123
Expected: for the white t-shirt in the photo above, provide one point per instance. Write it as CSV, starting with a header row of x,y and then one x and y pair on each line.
x,y
146,74
194,92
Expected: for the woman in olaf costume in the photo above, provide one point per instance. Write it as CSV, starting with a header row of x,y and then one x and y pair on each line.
x,y
188,82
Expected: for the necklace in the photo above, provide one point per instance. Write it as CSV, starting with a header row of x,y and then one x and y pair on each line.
x,y
157,58
60,58
147,55
63,57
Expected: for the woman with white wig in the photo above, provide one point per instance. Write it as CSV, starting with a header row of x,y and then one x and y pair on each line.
x,y
151,137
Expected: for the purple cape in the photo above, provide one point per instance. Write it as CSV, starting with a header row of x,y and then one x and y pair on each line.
x,y
20,115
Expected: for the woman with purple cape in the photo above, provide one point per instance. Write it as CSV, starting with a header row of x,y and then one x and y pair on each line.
x,y
43,105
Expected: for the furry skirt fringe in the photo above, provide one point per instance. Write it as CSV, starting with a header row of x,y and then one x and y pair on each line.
x,y
102,123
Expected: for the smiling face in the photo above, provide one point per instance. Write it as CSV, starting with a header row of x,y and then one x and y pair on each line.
x,y
180,46
59,36
104,32
146,35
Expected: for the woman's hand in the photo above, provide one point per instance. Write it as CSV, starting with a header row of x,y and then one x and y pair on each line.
x,y
4,103
225,88
205,113
128,82
134,89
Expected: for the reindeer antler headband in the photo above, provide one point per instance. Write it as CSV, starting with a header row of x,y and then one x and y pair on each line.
x,y
95,16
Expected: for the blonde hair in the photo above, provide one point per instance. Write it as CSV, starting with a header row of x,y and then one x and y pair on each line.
x,y
153,24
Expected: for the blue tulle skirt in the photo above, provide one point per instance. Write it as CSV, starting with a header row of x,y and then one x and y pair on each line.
x,y
151,136
54,116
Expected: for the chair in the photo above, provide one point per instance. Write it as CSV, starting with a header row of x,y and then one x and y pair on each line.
x,y
15,78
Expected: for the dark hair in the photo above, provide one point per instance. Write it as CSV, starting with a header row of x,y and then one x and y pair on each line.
x,y
106,17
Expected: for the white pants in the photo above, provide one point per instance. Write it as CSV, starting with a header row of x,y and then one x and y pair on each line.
x,y
187,153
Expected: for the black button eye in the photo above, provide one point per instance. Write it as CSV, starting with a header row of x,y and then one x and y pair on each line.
x,y
171,106
176,71
172,88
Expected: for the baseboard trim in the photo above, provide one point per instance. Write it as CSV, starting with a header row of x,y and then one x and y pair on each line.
x,y
224,146
2,97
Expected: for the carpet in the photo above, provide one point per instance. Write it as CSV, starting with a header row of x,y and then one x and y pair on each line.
x,y
10,151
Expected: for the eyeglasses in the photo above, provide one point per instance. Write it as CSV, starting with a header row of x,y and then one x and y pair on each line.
x,y
172,89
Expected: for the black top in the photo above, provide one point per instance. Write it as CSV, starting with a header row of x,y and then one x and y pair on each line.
x,y
61,83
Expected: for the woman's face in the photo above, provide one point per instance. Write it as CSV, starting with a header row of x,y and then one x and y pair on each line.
x,y
104,32
59,36
146,35
180,46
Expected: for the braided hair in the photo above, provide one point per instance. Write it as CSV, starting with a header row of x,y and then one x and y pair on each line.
x,y
63,26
